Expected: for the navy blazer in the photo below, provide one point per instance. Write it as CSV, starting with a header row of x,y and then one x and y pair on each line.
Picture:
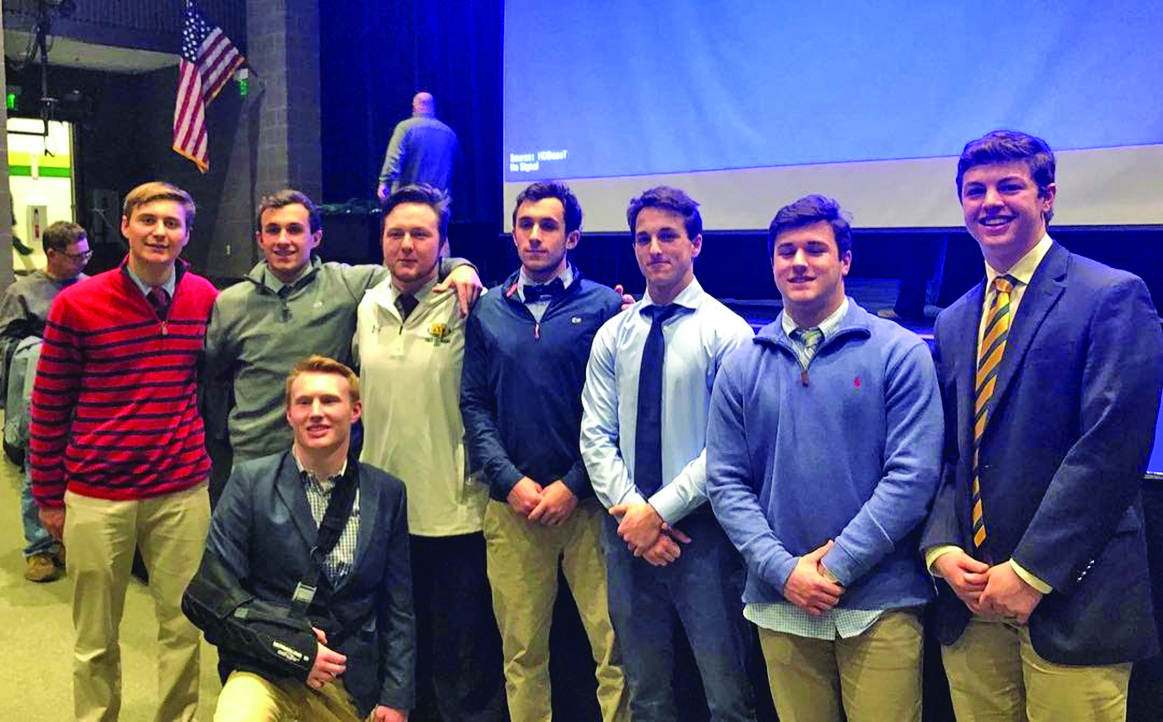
x,y
1062,455
263,532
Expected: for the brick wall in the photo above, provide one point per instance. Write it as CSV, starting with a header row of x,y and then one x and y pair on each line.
x,y
284,54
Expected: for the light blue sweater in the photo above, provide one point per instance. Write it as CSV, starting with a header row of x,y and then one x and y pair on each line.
x,y
854,455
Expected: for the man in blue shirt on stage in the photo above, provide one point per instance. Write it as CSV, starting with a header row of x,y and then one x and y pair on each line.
x,y
643,439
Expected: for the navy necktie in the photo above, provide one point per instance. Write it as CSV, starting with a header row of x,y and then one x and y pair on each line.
x,y
544,292
406,303
648,430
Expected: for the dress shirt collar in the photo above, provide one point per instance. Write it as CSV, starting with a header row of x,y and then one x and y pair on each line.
x,y
272,281
828,326
386,293
325,485
690,297
1024,269
169,285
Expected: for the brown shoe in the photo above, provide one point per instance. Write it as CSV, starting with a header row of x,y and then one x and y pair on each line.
x,y
40,568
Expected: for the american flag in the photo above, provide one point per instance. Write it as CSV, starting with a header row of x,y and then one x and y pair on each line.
x,y
208,61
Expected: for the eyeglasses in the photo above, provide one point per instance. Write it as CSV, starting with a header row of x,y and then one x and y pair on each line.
x,y
82,257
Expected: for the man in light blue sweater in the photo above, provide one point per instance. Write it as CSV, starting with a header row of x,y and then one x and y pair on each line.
x,y
823,453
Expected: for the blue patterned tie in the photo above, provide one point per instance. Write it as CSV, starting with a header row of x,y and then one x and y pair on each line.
x,y
648,431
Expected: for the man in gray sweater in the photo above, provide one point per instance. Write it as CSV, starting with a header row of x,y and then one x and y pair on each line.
x,y
290,306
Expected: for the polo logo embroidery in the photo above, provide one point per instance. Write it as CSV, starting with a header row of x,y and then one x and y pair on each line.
x,y
856,382
438,333
576,320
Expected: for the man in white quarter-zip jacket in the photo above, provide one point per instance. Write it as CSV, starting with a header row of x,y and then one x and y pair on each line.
x,y
409,343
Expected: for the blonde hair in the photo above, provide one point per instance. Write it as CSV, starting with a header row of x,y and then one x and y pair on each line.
x,y
158,191
322,365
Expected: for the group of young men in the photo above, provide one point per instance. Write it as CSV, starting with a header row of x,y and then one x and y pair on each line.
x,y
848,470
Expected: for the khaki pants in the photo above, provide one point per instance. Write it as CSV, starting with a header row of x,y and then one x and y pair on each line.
x,y
101,536
867,678
522,568
996,676
247,697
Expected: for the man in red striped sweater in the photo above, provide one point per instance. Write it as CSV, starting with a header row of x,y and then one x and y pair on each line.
x,y
117,449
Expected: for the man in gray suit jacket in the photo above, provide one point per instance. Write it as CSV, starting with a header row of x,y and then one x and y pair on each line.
x,y
315,630
1050,374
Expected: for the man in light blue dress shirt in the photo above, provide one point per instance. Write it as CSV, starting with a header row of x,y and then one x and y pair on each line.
x,y
666,554
823,454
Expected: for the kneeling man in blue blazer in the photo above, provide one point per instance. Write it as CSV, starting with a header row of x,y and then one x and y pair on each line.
x,y
308,628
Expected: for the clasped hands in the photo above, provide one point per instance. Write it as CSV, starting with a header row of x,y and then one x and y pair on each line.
x,y
809,586
647,535
549,505
988,591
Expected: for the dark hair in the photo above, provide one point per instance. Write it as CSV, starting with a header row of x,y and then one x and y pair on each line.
x,y
553,189
288,197
807,211
61,235
424,194
159,191
1004,146
668,199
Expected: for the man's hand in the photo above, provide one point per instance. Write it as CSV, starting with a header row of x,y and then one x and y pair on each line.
x,y
53,521
1008,594
557,503
382,191
525,496
328,664
667,548
387,714
627,299
468,287
640,525
807,588
967,577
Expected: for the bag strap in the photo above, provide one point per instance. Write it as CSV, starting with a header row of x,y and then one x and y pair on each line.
x,y
330,529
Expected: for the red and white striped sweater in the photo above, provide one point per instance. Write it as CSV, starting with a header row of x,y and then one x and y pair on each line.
x,y
115,403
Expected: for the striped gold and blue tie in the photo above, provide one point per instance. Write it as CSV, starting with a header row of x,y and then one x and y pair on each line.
x,y
989,354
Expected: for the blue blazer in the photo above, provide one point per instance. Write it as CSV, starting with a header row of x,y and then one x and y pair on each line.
x,y
263,532
1062,456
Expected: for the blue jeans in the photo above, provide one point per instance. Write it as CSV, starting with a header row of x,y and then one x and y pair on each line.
x,y
704,588
37,540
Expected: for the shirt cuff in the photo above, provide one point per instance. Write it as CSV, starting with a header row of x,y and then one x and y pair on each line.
x,y
668,504
936,552
828,574
506,479
1030,579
